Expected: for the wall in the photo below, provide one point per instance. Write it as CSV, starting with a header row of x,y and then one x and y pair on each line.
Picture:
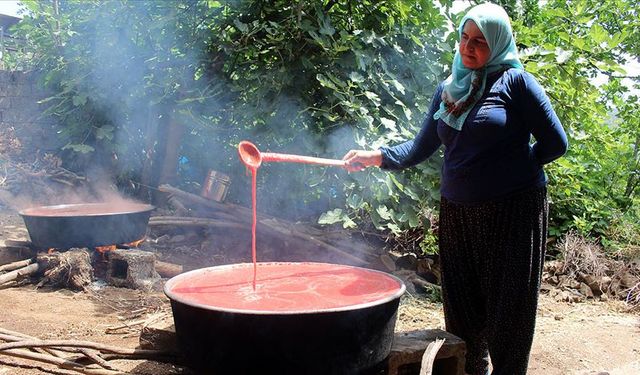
x,y
24,130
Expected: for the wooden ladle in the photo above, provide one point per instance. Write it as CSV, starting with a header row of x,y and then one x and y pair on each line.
x,y
253,158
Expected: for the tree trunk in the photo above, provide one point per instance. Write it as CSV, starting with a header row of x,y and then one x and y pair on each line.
x,y
172,133
146,178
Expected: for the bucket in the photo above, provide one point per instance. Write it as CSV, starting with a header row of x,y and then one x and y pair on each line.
x,y
216,186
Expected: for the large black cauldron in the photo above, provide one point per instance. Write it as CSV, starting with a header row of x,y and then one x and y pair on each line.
x,y
86,224
221,340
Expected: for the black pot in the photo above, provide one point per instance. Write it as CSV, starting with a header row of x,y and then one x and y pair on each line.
x,y
86,225
353,340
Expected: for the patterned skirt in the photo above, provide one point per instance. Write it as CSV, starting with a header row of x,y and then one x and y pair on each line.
x,y
492,255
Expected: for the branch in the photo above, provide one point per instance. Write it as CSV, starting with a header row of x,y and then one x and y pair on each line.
x,y
84,344
66,364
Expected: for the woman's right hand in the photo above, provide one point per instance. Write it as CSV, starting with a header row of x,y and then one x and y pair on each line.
x,y
357,160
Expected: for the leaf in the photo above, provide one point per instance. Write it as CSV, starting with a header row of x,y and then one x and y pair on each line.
x,y
373,97
398,86
241,26
384,212
331,217
388,123
598,33
562,56
79,100
105,132
325,27
324,81
81,148
356,77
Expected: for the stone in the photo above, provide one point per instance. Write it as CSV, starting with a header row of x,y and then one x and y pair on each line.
x,y
133,269
407,262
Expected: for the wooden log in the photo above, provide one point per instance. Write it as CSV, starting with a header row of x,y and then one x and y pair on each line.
x,y
178,206
270,227
10,253
168,270
194,221
242,214
429,356
7,335
22,272
184,196
15,265
60,362
84,344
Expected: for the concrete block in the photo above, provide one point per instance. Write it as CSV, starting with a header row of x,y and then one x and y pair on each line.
x,y
133,269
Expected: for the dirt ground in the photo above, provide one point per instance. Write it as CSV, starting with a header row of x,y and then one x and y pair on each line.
x,y
584,338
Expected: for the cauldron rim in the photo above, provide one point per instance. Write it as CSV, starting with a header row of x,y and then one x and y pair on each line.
x,y
128,208
172,296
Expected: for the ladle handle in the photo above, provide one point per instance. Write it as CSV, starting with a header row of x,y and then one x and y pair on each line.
x,y
289,158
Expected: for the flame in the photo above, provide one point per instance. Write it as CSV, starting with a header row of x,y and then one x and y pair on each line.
x,y
104,249
136,243
51,250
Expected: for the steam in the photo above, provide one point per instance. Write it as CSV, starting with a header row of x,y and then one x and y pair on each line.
x,y
118,76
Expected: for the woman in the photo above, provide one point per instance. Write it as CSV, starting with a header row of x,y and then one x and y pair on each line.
x,y
493,211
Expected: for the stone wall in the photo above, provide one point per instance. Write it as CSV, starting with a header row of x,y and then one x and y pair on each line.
x,y
24,129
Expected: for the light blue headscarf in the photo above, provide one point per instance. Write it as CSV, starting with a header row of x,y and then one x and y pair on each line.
x,y
494,23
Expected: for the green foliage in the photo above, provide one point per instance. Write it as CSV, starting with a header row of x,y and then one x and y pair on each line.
x,y
320,78
572,43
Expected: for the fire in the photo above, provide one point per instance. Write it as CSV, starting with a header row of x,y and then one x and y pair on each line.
x,y
51,250
136,243
104,249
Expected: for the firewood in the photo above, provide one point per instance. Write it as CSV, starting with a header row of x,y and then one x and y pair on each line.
x,y
235,214
168,270
12,336
193,221
187,197
429,356
84,344
19,273
15,265
63,363
71,268
177,205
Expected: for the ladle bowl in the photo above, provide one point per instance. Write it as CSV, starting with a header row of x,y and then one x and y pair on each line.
x,y
253,158
249,154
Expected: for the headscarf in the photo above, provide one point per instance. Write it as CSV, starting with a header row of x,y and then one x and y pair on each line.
x,y
464,87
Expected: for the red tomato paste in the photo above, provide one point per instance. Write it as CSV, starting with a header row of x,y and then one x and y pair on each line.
x,y
86,209
284,287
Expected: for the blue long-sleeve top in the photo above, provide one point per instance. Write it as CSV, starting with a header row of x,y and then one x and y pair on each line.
x,y
492,155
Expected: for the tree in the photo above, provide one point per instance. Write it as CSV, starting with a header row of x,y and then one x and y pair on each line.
x,y
319,78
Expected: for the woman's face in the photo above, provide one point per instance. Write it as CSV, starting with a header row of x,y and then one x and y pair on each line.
x,y
474,49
